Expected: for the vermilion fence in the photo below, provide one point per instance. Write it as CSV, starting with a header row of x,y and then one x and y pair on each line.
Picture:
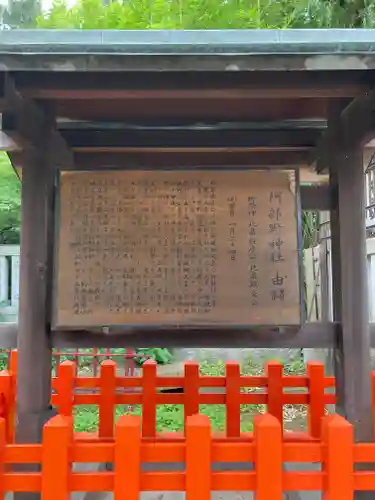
x,y
239,390
109,390
336,453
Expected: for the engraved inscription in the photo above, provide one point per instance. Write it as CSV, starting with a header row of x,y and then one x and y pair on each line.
x,y
170,248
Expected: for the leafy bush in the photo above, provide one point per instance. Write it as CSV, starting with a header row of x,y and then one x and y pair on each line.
x,y
208,14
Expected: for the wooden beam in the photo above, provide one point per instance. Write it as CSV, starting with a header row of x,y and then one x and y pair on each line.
x,y
251,92
354,127
314,335
185,149
190,85
315,197
189,137
187,157
25,118
211,109
310,335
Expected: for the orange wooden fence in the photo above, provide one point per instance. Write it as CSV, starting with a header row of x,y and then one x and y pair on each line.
x,y
109,390
336,453
239,390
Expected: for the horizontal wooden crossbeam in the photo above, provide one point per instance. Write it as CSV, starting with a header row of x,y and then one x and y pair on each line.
x,y
310,335
186,157
189,85
204,136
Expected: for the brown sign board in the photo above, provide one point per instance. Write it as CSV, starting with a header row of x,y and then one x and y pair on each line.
x,y
177,248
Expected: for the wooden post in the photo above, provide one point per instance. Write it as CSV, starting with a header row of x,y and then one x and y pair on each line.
x,y
268,458
107,398
149,398
338,461
316,407
233,395
56,463
274,373
198,458
350,297
127,480
33,343
65,388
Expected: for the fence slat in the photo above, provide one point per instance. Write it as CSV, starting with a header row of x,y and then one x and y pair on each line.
x,y
13,361
233,390
7,403
107,398
198,458
316,406
268,458
274,373
337,434
191,389
56,464
149,398
65,388
3,440
127,464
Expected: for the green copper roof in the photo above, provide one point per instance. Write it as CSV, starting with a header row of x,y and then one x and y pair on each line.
x,y
224,49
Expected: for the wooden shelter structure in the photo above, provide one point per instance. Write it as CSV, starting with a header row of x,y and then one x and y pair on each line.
x,y
92,100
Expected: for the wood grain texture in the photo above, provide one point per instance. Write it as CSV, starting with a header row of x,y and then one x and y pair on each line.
x,y
170,248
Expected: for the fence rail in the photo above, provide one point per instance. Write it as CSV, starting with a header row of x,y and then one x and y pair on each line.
x,y
336,452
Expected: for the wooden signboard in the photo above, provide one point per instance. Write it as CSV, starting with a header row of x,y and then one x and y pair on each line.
x,y
177,248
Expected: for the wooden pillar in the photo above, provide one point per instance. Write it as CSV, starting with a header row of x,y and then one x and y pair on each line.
x,y
34,351
350,292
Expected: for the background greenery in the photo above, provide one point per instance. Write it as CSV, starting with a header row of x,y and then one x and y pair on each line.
x,y
10,203
209,14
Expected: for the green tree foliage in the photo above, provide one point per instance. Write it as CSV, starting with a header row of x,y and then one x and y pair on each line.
x,y
22,13
209,14
10,203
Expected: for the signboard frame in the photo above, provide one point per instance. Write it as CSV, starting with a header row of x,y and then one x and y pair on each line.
x,y
178,325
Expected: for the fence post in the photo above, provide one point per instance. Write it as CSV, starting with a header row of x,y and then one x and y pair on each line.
x,y
233,391
198,458
191,389
274,374
13,361
268,458
107,398
13,369
337,435
3,441
65,388
316,406
149,398
56,463
7,404
127,461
